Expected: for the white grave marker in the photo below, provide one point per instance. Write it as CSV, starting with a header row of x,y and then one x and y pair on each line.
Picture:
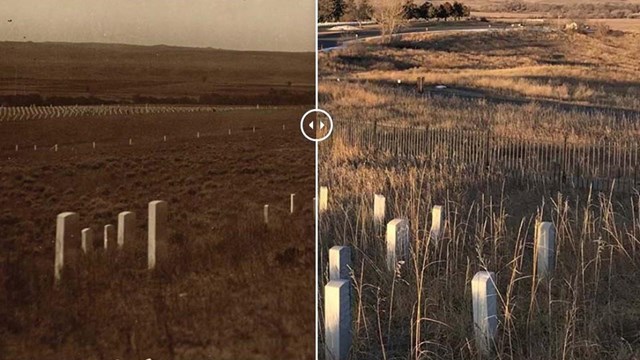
x,y
109,236
126,228
485,310
337,319
324,199
339,263
292,203
545,249
266,214
437,222
397,243
378,208
87,240
67,226
157,246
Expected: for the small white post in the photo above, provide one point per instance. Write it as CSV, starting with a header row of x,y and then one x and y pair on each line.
x,y
130,141
16,147
292,203
198,135
324,199
109,236
157,246
126,228
35,147
55,148
545,249
339,263
378,208
87,240
437,222
164,138
66,238
282,126
94,145
397,243
229,131
485,310
337,319
266,214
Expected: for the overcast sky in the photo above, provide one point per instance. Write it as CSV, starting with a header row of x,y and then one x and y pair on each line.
x,y
279,25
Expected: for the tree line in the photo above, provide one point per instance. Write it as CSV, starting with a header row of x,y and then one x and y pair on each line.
x,y
363,10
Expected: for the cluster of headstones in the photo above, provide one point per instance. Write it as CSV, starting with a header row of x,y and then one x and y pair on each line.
x,y
337,294
68,225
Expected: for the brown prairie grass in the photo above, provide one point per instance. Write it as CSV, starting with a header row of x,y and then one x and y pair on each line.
x,y
533,64
525,84
231,289
587,310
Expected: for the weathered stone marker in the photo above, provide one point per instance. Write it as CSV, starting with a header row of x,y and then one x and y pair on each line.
x,y
397,242
324,199
379,205
337,319
229,131
130,141
164,138
94,145
292,203
157,246
339,263
437,222
87,240
126,228
67,226
266,214
109,236
198,135
545,249
485,310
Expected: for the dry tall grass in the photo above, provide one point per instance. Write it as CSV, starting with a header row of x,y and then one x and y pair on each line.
x,y
589,310
528,84
534,64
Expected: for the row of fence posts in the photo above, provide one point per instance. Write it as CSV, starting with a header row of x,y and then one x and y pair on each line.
x,y
130,141
595,165
484,293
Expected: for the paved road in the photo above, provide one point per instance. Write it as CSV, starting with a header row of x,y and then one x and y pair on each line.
x,y
329,39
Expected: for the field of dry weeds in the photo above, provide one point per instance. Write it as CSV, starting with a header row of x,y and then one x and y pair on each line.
x,y
232,287
524,84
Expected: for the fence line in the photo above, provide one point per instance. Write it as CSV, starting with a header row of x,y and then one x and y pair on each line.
x,y
598,164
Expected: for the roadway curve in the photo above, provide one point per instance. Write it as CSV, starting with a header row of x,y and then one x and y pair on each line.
x,y
330,39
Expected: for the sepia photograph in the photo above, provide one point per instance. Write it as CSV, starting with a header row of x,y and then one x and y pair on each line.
x,y
156,193
478,198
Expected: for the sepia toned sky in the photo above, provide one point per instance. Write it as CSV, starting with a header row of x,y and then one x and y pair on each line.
x,y
278,25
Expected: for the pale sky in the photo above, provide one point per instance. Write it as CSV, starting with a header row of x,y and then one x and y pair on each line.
x,y
278,25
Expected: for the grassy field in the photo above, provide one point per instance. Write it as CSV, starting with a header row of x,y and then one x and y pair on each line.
x,y
617,15
122,72
528,83
232,287
531,84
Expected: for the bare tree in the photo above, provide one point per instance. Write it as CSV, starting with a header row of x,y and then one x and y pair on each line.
x,y
389,14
